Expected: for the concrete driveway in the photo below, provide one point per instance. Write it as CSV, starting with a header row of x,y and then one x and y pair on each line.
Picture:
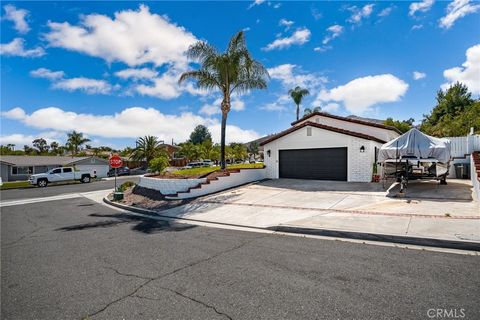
x,y
428,210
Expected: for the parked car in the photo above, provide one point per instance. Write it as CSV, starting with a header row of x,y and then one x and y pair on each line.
x,y
123,171
61,175
208,163
194,165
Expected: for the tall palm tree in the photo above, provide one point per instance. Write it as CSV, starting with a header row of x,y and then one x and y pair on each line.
x,y
297,95
233,71
75,140
147,148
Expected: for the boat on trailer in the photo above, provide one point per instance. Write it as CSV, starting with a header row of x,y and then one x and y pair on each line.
x,y
415,155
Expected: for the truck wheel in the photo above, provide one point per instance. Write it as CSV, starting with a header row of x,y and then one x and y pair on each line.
x,y
85,179
42,183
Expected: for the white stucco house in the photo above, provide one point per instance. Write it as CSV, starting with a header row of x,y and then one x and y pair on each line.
x,y
323,146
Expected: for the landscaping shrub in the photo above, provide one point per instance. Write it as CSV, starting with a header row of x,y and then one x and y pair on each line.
x,y
159,164
124,186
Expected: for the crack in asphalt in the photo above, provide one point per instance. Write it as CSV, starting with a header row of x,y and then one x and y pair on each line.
x,y
28,234
208,306
149,280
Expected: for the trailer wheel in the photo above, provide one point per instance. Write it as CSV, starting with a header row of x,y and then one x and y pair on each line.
x,y
443,181
85,179
42,183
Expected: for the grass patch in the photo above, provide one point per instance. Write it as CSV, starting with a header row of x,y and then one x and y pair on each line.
x,y
15,184
202,171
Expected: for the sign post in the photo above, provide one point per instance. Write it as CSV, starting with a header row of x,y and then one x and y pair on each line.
x,y
115,162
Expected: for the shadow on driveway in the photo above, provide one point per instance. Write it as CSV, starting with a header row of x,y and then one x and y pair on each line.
x,y
143,225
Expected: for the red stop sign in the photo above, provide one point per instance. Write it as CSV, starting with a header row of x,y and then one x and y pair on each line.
x,y
115,161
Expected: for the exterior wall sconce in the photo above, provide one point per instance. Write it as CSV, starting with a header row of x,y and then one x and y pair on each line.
x,y
362,149
269,152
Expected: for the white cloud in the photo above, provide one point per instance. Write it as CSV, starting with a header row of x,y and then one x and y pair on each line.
x,y
286,23
317,15
129,123
166,86
385,12
17,16
17,48
360,94
333,32
255,3
277,5
47,74
299,37
456,10
214,107
20,139
422,6
331,107
417,26
15,114
417,75
87,85
468,73
291,75
278,105
134,37
322,49
136,74
359,14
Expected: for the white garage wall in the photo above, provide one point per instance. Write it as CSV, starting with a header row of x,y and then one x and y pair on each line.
x,y
360,165
382,134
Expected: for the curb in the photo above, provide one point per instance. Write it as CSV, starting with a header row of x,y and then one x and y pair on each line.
x,y
426,242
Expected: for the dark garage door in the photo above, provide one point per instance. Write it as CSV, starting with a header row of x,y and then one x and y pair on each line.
x,y
317,164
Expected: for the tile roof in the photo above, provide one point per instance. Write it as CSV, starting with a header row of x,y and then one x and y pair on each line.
x,y
41,160
322,126
353,120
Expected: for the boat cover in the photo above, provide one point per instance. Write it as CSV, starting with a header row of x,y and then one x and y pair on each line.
x,y
415,143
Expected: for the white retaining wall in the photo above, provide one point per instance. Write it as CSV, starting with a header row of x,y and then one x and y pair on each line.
x,y
460,146
474,177
169,186
233,180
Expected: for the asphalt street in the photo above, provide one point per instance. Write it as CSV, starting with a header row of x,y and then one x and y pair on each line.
x,y
57,189
78,259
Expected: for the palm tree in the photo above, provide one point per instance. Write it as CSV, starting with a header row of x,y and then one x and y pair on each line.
x,y
297,95
308,111
147,148
231,71
75,140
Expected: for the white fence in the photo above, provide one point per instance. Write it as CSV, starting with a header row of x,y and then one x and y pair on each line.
x,y
462,146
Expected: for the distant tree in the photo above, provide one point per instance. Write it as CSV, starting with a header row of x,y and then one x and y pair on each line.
x,y
41,145
75,140
308,111
239,151
159,164
54,147
232,71
88,146
147,148
207,150
403,126
454,114
190,151
200,134
252,149
28,150
297,95
11,146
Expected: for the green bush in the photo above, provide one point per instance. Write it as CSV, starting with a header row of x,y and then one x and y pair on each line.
x,y
159,164
124,186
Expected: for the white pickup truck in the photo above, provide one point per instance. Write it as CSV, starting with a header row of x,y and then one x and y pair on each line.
x,y
60,175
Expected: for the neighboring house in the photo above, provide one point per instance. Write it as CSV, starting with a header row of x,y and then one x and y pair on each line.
x,y
322,146
15,168
258,141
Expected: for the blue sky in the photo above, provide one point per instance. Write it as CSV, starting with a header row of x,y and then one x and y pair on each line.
x,y
109,69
